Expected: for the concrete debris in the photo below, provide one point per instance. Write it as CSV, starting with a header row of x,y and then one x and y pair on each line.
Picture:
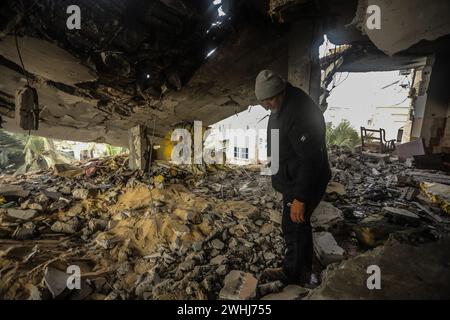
x,y
171,233
407,272
326,248
290,292
326,216
401,215
56,281
80,194
72,226
239,209
337,188
22,214
275,216
238,286
8,191
265,289
217,244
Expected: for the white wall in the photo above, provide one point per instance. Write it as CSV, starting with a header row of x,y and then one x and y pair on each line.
x,y
244,130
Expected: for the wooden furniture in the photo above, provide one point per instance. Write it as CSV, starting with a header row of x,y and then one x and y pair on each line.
x,y
375,140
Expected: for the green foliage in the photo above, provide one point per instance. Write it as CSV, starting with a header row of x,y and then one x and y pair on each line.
x,y
112,151
40,154
10,150
342,135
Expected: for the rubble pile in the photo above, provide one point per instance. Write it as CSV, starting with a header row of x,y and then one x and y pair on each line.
x,y
166,234
172,234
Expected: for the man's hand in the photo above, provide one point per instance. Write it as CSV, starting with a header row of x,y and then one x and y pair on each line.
x,y
297,211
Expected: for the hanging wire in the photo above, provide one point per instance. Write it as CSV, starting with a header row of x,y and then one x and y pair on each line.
x,y
20,57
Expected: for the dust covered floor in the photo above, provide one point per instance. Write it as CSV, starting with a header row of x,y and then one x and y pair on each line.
x,y
183,232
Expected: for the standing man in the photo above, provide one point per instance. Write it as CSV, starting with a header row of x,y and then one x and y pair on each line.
x,y
304,171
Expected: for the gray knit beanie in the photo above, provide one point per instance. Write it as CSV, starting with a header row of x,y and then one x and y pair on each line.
x,y
268,84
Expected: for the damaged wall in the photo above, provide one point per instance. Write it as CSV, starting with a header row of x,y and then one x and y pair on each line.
x,y
303,65
77,105
437,105
93,85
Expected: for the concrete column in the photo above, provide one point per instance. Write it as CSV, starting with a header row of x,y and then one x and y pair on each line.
x,y
139,148
436,106
420,86
303,62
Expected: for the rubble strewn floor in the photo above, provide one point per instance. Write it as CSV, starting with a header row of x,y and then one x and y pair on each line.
x,y
173,234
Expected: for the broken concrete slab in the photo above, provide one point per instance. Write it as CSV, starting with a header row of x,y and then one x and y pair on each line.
x,y
22,214
67,171
410,149
326,216
217,244
290,292
407,272
239,209
72,226
271,287
266,229
239,285
275,216
56,282
81,194
402,215
13,191
218,260
426,176
326,248
335,188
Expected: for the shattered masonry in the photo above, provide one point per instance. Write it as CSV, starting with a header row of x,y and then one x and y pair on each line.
x,y
172,234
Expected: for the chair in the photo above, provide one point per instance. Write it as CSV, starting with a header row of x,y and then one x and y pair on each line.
x,y
375,140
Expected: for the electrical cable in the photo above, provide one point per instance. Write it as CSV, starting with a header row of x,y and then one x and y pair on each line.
x,y
20,57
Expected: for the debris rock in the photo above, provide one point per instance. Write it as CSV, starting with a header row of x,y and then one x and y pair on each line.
x,y
72,226
56,282
326,216
271,287
238,285
239,209
81,194
335,188
402,215
8,191
218,260
290,292
275,216
22,214
326,248
217,244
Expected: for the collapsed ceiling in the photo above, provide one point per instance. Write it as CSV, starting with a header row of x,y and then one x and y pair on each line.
x,y
132,62
162,62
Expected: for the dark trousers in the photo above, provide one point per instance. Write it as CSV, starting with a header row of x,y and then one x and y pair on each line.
x,y
298,260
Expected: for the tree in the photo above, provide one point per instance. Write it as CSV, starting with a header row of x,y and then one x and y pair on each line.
x,y
10,150
342,135
40,154
112,151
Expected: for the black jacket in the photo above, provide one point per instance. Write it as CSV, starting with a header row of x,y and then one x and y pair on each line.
x,y
304,171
